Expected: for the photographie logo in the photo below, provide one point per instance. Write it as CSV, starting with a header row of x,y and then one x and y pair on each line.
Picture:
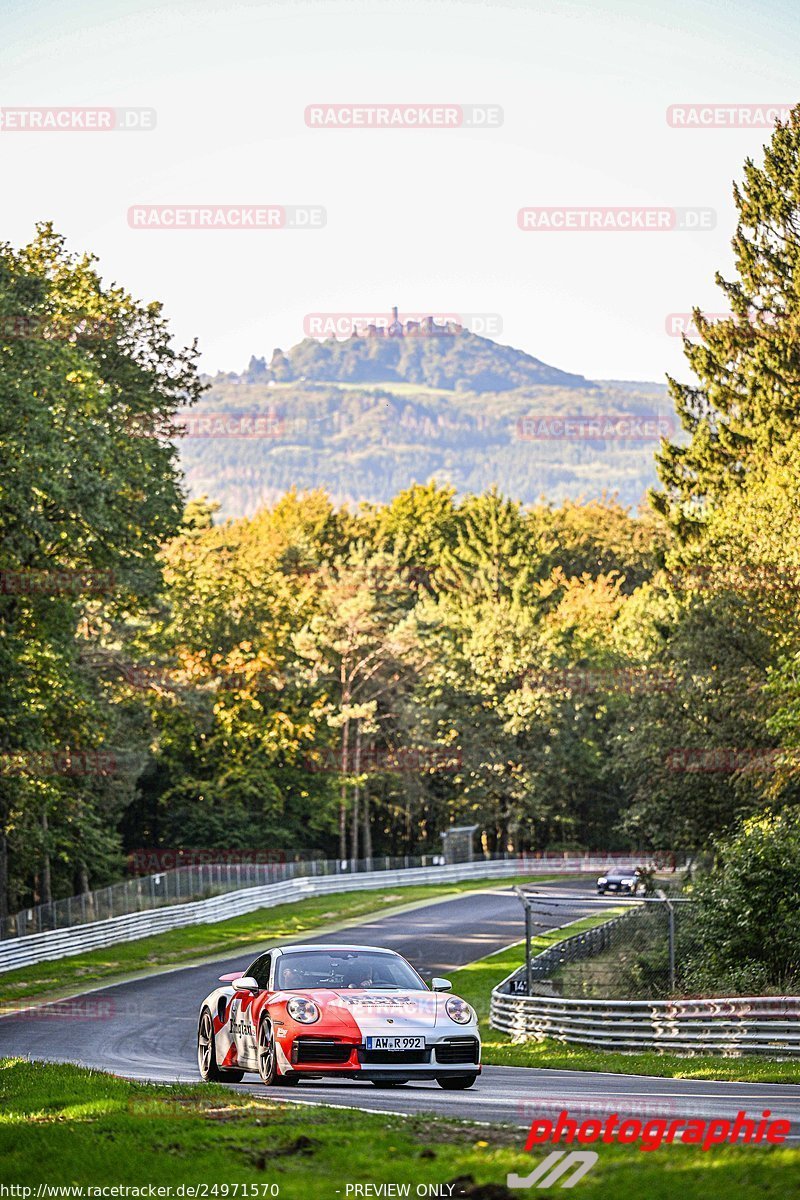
x,y
57,582
616,219
403,116
554,1167
727,116
342,325
650,1135
374,760
639,427
227,216
77,120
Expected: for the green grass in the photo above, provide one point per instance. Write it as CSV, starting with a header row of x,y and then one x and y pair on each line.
x,y
475,983
62,1125
224,938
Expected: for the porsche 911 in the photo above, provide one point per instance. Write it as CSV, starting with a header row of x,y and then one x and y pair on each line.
x,y
356,1012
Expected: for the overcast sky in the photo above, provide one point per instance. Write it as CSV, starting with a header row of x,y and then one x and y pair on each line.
x,y
426,219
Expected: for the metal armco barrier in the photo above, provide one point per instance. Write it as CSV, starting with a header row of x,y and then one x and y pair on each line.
x,y
198,881
731,1025
60,943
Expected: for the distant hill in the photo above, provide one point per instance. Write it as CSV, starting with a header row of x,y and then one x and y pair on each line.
x,y
450,358
366,417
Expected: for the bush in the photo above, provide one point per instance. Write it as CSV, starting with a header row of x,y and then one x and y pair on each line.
x,y
745,928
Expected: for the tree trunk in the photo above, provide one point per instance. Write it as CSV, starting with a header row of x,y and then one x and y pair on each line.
x,y
367,830
343,793
356,790
83,875
46,889
3,871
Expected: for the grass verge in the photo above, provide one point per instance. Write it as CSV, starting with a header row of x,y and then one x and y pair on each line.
x,y
62,1126
224,938
475,983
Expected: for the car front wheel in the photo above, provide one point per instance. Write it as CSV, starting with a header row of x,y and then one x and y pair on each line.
x,y
207,1054
455,1083
267,1061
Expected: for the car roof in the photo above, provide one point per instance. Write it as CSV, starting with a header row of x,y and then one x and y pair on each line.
x,y
337,949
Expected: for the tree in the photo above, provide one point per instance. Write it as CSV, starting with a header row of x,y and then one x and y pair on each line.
x,y
746,397
90,488
359,646
754,880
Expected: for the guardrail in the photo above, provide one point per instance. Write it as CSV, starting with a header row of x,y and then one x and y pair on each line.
x,y
198,881
41,947
725,1025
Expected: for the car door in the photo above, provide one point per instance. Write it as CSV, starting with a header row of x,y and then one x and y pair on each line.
x,y
243,1017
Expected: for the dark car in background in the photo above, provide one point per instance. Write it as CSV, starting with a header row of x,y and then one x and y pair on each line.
x,y
622,880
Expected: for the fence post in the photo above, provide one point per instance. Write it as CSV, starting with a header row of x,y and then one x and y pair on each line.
x,y
671,928
528,963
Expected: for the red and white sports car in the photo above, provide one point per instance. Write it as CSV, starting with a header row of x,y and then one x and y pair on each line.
x,y
349,1011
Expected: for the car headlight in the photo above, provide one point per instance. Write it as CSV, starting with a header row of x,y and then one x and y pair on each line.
x,y
602,879
458,1011
301,1009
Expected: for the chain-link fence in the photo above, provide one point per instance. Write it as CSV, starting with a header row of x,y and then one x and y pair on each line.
x,y
182,884
200,881
640,947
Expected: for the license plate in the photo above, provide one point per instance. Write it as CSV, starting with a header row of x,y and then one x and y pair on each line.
x,y
395,1043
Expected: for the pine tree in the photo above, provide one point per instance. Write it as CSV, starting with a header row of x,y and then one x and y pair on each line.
x,y
747,396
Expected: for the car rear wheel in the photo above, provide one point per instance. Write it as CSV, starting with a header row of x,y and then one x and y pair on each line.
x,y
207,1054
267,1061
455,1083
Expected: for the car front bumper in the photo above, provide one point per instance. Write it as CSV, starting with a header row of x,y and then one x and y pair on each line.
x,y
451,1054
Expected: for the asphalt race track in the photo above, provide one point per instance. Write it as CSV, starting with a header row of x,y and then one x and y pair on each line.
x,y
146,1029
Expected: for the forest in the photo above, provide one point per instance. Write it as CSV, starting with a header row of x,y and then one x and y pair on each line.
x,y
353,678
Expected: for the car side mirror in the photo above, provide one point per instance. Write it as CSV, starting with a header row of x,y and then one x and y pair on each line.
x,y
245,984
441,985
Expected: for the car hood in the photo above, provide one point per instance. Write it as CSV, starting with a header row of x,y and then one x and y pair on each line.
x,y
386,1012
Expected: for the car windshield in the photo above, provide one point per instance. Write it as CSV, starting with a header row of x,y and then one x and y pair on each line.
x,y
345,969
